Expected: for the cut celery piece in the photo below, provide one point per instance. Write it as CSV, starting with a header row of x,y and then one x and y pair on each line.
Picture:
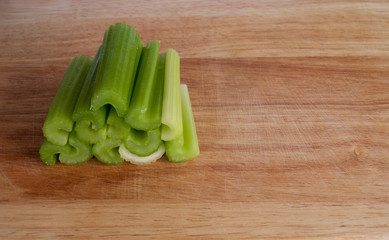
x,y
138,160
143,143
86,133
117,127
59,122
171,106
80,152
90,125
49,152
115,76
185,147
82,111
75,152
146,102
107,151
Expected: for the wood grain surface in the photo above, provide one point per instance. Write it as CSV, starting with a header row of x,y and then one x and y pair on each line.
x,y
291,102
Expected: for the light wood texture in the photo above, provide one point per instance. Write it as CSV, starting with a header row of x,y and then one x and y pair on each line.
x,y
291,102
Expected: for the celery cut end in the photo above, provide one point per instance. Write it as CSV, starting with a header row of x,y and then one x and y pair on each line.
x,y
59,120
57,132
141,160
107,151
80,152
115,74
171,105
143,143
185,147
106,98
145,108
49,152
117,127
86,133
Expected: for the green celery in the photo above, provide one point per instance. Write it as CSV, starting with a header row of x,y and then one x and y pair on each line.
x,y
115,76
90,125
146,102
171,106
80,152
59,122
117,127
143,143
82,109
75,152
107,151
86,133
186,146
49,152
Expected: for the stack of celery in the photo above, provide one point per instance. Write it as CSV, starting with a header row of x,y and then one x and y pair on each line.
x,y
125,104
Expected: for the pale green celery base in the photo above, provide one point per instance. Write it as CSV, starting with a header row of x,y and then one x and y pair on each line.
x,y
185,147
176,151
170,132
139,160
86,133
108,151
171,104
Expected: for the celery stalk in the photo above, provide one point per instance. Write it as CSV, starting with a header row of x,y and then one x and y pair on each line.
x,y
139,160
117,127
186,146
115,76
82,111
143,143
146,103
107,151
49,152
80,152
75,152
59,122
86,133
171,106
90,125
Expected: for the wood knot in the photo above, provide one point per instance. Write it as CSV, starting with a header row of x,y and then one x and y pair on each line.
x,y
357,151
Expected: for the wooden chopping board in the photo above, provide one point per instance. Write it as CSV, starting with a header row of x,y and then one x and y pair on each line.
x,y
291,102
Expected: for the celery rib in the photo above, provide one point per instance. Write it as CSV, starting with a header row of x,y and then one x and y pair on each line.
x,y
75,152
171,106
146,103
108,151
49,152
82,109
59,122
86,133
90,125
143,143
117,128
186,146
126,104
80,151
115,77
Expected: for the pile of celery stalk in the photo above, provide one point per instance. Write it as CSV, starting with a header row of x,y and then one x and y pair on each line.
x,y
126,104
